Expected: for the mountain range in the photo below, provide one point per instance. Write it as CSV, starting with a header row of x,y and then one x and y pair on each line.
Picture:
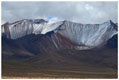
x,y
35,44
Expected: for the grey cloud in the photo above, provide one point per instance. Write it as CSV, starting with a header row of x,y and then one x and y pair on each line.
x,y
83,12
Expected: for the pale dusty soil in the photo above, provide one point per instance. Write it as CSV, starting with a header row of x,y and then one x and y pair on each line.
x,y
10,77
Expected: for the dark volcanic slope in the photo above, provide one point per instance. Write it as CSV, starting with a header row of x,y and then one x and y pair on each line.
x,y
54,51
31,45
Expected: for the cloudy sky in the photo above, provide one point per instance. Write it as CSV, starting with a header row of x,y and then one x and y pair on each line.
x,y
82,12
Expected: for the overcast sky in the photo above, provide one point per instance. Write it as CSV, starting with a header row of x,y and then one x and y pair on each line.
x,y
82,12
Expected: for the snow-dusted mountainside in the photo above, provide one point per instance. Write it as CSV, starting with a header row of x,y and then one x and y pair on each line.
x,y
90,35
26,27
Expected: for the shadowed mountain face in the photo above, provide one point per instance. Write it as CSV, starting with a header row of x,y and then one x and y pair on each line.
x,y
113,42
66,46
